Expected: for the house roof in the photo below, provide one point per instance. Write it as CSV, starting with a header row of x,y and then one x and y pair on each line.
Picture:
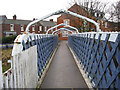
x,y
47,23
11,21
25,22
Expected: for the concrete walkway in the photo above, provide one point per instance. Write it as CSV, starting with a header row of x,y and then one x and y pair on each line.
x,y
63,72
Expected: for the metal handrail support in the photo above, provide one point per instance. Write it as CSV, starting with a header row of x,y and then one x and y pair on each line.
x,y
62,29
66,12
72,28
62,24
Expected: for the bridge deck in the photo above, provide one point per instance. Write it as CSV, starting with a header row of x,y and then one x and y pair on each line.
x,y
63,72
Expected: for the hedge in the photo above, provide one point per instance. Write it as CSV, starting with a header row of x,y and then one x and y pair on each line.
x,y
8,40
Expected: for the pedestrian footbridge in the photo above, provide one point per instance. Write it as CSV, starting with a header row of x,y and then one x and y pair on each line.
x,y
63,71
86,60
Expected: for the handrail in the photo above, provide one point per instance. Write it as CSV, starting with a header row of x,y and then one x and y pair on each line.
x,y
73,28
62,29
93,60
66,12
62,24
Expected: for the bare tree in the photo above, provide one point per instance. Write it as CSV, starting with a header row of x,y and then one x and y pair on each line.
x,y
113,12
94,7
117,11
100,10
89,8
117,15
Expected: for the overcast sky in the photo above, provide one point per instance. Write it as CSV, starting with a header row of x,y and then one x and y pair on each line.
x,y
29,9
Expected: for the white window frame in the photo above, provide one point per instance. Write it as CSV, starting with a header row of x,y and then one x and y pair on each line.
x,y
11,27
106,24
33,27
40,28
45,28
64,33
102,23
98,22
66,21
22,27
95,14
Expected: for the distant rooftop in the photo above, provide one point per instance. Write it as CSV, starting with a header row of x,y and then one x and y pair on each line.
x,y
4,20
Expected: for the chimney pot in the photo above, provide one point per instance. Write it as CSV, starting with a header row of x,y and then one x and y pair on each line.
x,y
51,20
33,19
14,17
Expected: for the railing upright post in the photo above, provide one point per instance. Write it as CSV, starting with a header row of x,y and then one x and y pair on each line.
x,y
1,76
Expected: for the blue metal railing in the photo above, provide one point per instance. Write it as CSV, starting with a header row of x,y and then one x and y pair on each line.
x,y
46,45
99,54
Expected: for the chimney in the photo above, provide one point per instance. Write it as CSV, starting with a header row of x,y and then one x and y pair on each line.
x,y
51,20
14,17
33,19
3,17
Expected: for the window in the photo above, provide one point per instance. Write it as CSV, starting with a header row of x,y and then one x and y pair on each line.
x,y
98,22
64,33
102,23
67,21
85,22
95,14
11,27
33,28
22,27
105,24
40,28
45,29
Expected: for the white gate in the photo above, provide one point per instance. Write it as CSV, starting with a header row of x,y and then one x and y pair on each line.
x,y
25,68
23,73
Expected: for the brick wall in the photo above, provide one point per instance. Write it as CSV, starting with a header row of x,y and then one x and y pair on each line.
x,y
74,21
77,22
17,29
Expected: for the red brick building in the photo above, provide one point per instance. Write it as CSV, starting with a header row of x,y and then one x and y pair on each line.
x,y
74,21
81,24
14,26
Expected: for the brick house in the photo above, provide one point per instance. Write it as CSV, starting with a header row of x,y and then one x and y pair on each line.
x,y
81,24
14,26
113,26
74,21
